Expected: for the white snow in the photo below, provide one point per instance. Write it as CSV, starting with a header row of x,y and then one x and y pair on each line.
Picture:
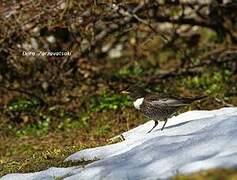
x,y
192,141
51,173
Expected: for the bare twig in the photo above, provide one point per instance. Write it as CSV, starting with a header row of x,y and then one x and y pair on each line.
x,y
223,102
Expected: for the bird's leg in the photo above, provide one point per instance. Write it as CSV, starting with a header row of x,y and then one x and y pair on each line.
x,y
156,123
164,125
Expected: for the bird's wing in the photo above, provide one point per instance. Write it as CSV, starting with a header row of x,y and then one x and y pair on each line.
x,y
167,102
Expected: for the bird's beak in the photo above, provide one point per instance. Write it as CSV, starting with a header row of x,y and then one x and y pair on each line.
x,y
124,92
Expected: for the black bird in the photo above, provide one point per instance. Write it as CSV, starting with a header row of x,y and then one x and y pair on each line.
x,y
155,107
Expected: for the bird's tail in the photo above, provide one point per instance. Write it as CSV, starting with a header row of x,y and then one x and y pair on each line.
x,y
190,100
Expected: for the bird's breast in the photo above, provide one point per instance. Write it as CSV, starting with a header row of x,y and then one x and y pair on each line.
x,y
137,104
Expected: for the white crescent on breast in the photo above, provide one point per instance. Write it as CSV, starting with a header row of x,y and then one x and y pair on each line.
x,y
137,104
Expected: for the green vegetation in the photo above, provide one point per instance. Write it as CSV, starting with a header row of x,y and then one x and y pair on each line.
x,y
109,101
134,69
22,105
213,174
211,82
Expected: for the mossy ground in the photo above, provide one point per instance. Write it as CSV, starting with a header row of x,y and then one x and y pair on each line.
x,y
213,174
33,152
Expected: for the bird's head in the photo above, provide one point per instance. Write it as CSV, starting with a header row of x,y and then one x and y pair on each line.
x,y
135,92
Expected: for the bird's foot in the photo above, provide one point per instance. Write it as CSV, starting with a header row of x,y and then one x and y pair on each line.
x,y
163,125
156,123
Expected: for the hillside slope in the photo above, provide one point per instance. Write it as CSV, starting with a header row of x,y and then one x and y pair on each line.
x,y
192,141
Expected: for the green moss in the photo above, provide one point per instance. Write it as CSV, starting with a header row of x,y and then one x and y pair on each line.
x,y
109,101
17,105
213,174
35,160
211,82
134,69
37,129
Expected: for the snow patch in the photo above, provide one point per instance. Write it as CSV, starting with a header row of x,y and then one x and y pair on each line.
x,y
192,141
